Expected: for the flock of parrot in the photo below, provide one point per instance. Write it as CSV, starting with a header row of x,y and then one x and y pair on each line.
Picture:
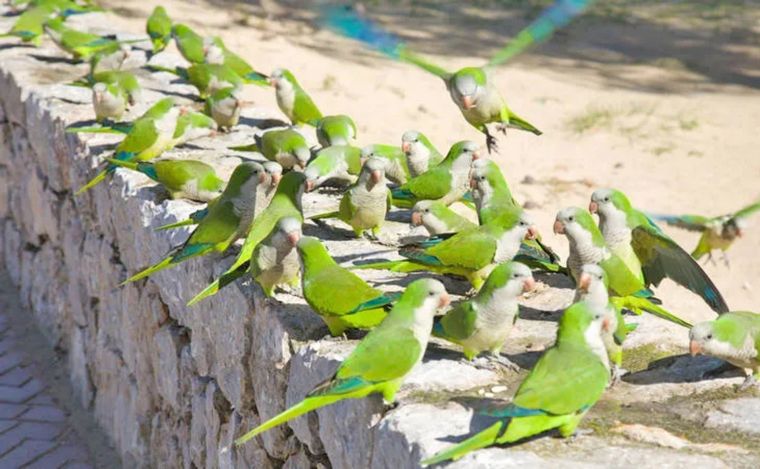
x,y
615,259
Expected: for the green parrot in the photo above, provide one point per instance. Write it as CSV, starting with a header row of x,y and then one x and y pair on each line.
x,y
645,248
341,163
189,43
733,337
209,78
382,359
224,107
159,29
447,182
275,261
293,100
587,246
81,45
592,289
420,154
189,179
336,130
439,219
337,295
285,146
30,24
285,203
565,383
109,101
192,125
718,233
147,138
471,254
365,204
160,109
215,52
483,323
396,168
228,219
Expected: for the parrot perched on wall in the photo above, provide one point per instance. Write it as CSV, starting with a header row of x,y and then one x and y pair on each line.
x,y
189,179
285,146
275,261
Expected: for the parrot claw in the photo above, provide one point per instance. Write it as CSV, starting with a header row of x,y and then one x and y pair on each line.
x,y
491,143
748,383
726,261
581,432
502,128
393,405
617,374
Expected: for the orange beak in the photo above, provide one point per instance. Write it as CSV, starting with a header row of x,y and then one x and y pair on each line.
x,y
183,110
293,238
559,228
309,184
739,232
529,285
416,218
694,348
532,232
468,102
606,324
377,176
406,147
276,179
584,283
593,207
273,81
475,155
473,183
444,301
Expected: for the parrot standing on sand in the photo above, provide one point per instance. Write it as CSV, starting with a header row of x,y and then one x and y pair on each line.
x,y
564,384
336,130
365,204
587,246
159,29
293,100
718,233
733,337
224,107
188,179
646,249
382,359
337,295
438,219
341,163
275,261
483,323
420,154
285,146
229,218
396,169
447,182
490,190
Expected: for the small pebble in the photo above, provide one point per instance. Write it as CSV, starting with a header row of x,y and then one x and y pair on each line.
x,y
498,389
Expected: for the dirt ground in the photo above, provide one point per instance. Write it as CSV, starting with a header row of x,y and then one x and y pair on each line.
x,y
659,99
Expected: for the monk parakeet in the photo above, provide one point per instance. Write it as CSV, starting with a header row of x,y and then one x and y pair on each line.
x,y
293,100
733,337
224,107
645,248
285,146
159,29
192,125
156,111
365,204
109,102
189,179
81,45
421,155
438,219
718,233
285,203
471,254
490,190
396,168
337,295
587,246
215,52
382,359
29,26
483,323
340,163
275,261
447,182
565,383
189,43
228,219
336,130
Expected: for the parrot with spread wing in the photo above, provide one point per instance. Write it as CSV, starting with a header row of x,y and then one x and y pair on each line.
x,y
275,261
159,29
420,154
733,337
439,219
189,179
285,146
336,130
228,219
587,246
718,233
293,100
337,163
483,323
645,248
564,384
81,45
381,361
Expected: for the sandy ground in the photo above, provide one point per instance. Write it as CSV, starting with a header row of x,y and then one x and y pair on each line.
x,y
659,100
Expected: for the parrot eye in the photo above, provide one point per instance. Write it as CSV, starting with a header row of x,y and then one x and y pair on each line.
x,y
709,336
432,293
570,218
598,316
606,199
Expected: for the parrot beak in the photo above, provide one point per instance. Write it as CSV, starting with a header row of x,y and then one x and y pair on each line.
x,y
376,176
309,185
739,232
532,232
606,324
272,81
593,207
529,284
444,300
476,155
473,183
406,147
416,219
213,133
183,110
559,228
584,283
468,102
694,348
293,238
276,179
262,178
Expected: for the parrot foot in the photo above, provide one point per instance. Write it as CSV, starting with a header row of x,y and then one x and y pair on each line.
x,y
748,383
391,406
581,432
726,261
493,363
502,128
617,374
491,143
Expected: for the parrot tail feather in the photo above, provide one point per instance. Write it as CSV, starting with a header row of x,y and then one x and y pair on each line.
x,y
323,216
521,124
100,177
480,440
226,278
149,271
643,304
256,78
393,266
92,129
379,302
174,225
